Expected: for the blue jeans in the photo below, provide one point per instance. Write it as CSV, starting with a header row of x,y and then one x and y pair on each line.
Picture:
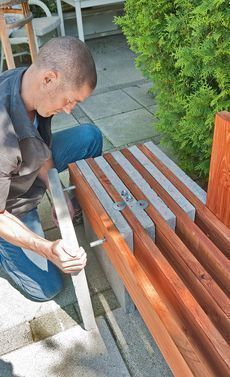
x,y
40,284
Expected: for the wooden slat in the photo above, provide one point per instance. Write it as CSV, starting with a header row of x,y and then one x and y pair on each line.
x,y
204,250
205,219
207,292
173,343
192,316
218,195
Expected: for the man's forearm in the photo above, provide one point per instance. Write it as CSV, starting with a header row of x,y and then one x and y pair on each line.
x,y
15,232
43,173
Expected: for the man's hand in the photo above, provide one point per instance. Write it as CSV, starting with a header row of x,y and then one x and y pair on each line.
x,y
66,258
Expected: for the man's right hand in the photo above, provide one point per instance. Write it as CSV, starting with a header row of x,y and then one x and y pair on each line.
x,y
66,257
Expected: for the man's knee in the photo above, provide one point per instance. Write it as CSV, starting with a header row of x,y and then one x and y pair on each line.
x,y
95,140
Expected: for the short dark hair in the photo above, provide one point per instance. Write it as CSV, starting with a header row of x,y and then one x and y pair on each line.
x,y
72,58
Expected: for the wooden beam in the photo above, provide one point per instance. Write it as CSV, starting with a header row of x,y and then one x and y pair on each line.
x,y
218,196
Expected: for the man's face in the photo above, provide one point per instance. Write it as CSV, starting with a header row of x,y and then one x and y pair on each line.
x,y
55,98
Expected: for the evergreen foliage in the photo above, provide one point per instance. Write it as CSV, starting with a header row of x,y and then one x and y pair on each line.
x,y
182,46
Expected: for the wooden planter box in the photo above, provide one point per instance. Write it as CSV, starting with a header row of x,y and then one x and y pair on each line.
x,y
172,257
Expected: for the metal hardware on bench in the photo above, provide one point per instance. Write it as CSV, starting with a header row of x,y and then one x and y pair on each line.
x,y
97,242
69,188
119,205
142,204
128,197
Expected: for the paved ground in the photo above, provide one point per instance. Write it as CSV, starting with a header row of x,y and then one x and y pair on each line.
x,y
44,339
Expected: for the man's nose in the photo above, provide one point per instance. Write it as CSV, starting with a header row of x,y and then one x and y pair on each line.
x,y
68,108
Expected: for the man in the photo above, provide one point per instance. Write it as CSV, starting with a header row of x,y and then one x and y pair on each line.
x,y
62,76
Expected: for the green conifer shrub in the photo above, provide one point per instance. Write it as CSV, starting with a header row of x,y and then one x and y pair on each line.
x,y
182,46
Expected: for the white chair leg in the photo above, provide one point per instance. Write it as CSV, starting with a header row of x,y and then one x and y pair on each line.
x,y
60,14
79,20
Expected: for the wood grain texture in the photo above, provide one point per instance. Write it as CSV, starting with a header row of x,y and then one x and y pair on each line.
x,y
205,219
198,325
173,343
218,196
204,288
203,249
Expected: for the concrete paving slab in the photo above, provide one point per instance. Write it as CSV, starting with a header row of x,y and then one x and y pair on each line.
x,y
129,127
140,94
125,72
110,51
80,115
137,347
153,109
107,104
14,338
107,146
62,121
72,353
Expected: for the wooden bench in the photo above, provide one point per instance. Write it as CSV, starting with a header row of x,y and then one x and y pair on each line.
x,y
169,245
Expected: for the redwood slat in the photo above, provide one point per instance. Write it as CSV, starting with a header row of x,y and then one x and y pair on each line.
x,y
198,325
204,250
205,219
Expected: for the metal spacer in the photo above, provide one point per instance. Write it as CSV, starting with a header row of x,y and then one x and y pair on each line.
x,y
142,204
97,242
69,188
119,206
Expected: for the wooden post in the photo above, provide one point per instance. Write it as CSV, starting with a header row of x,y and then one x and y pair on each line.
x,y
30,32
218,196
6,46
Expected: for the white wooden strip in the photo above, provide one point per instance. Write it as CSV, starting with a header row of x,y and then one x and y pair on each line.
x,y
140,214
164,182
107,203
179,173
69,235
153,198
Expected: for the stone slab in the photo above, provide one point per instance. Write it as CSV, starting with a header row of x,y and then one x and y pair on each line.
x,y
141,95
179,173
154,199
137,347
138,212
107,104
164,182
72,353
14,338
130,127
62,121
107,146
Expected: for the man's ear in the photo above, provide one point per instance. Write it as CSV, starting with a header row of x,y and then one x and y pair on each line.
x,y
50,80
